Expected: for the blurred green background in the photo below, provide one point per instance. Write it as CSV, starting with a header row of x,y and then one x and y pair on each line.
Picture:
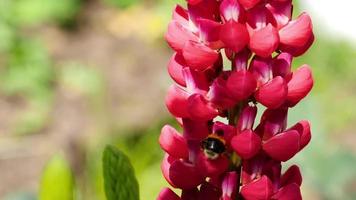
x,y
78,74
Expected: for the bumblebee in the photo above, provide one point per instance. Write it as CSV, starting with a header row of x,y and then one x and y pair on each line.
x,y
214,145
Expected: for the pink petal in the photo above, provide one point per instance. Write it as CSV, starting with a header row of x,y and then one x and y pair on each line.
x,y
212,168
246,144
261,69
273,94
177,35
229,186
175,69
184,175
247,118
264,41
219,95
260,189
283,146
281,11
210,32
300,85
234,35
281,65
292,175
167,194
247,4
230,10
177,102
199,56
196,81
303,128
241,85
200,109
297,36
173,143
259,17
180,14
289,192
165,165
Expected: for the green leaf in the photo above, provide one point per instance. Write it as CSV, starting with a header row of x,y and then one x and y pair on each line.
x,y
119,177
57,180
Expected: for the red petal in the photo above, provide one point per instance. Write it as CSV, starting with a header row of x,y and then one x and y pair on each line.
x,y
281,11
247,118
246,144
193,2
207,9
264,41
177,35
303,128
229,186
247,4
175,69
234,35
167,194
261,69
196,81
230,10
184,175
212,168
165,165
289,192
273,94
219,95
199,56
173,143
177,102
260,189
200,109
210,32
296,36
283,146
292,175
281,65
300,85
241,84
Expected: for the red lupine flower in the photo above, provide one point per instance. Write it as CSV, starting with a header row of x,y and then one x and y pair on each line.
x,y
213,160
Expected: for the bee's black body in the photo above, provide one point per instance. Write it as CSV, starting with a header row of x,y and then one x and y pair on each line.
x,y
213,146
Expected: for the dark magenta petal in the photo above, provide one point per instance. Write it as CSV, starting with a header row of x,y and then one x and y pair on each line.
x,y
196,81
190,194
175,68
193,2
219,94
184,175
281,65
247,118
300,85
303,128
260,189
296,36
173,143
230,10
199,56
180,14
259,17
292,175
289,192
228,131
177,35
241,59
273,121
195,130
264,41
234,35
283,146
210,32
206,9
241,84
246,144
281,11
209,192
272,94
247,4
229,186
200,109
177,102
167,194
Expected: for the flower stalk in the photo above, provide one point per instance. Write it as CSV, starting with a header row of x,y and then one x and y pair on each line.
x,y
238,157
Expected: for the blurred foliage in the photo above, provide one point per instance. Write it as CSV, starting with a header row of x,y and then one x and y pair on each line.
x,y
57,180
